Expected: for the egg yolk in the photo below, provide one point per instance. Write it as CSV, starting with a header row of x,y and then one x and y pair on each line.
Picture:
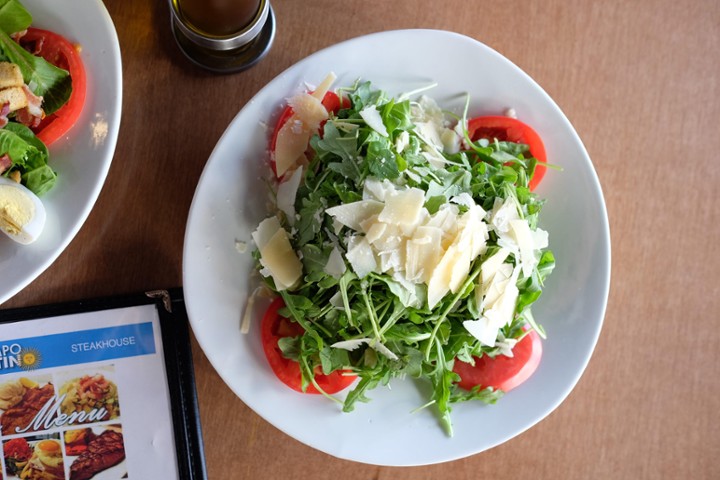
x,y
48,446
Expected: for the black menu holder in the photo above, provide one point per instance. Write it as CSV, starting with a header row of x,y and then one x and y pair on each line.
x,y
109,375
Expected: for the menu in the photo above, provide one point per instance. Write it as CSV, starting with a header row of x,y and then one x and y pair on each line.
x,y
86,395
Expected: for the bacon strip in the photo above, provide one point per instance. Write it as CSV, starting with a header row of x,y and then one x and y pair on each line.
x,y
33,114
5,163
4,110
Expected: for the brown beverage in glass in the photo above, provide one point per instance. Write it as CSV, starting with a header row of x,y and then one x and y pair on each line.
x,y
218,17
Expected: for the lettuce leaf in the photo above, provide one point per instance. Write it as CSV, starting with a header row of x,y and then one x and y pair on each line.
x,y
13,16
29,156
43,78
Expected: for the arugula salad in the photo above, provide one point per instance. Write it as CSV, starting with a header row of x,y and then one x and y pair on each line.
x,y
405,243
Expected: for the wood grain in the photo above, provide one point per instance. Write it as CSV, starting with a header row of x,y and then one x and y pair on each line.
x,y
639,81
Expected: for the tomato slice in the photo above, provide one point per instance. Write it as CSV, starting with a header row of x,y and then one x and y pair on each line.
x,y
502,372
57,50
511,130
275,327
330,101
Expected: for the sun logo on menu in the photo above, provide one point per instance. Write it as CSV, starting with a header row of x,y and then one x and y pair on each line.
x,y
30,358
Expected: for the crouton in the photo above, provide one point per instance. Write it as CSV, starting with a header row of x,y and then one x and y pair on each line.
x,y
15,96
10,75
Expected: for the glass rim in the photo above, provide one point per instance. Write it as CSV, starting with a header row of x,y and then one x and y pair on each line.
x,y
225,42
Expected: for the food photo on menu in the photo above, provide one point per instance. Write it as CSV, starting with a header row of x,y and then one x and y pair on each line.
x,y
35,457
95,452
91,397
21,401
77,442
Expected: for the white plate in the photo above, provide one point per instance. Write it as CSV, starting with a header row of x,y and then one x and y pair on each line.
x,y
82,158
230,201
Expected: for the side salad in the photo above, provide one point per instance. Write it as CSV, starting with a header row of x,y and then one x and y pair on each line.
x,y
405,243
42,92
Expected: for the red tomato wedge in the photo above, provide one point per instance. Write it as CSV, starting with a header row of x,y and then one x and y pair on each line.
x,y
502,372
275,327
511,130
57,50
330,101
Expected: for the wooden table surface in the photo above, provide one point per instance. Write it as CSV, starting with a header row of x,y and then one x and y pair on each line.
x,y
639,80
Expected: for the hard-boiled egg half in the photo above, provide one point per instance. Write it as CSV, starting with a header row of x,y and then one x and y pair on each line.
x,y
22,215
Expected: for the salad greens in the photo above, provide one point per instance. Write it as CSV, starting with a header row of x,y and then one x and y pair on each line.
x,y
379,327
29,155
44,79
13,16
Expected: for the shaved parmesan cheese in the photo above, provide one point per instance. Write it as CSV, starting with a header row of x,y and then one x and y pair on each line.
x,y
375,231
350,345
523,236
460,269
393,259
499,302
402,141
294,135
335,265
484,329
290,145
423,253
494,288
427,110
464,199
441,276
286,193
309,110
382,349
503,213
260,291
280,260
540,238
375,344
362,258
492,264
506,345
429,134
337,226
454,267
391,239
450,141
324,86
403,207
446,219
352,214
374,189
503,309
337,301
374,120
434,157
265,231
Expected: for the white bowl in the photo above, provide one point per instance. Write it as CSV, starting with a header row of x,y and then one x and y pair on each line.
x,y
230,201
